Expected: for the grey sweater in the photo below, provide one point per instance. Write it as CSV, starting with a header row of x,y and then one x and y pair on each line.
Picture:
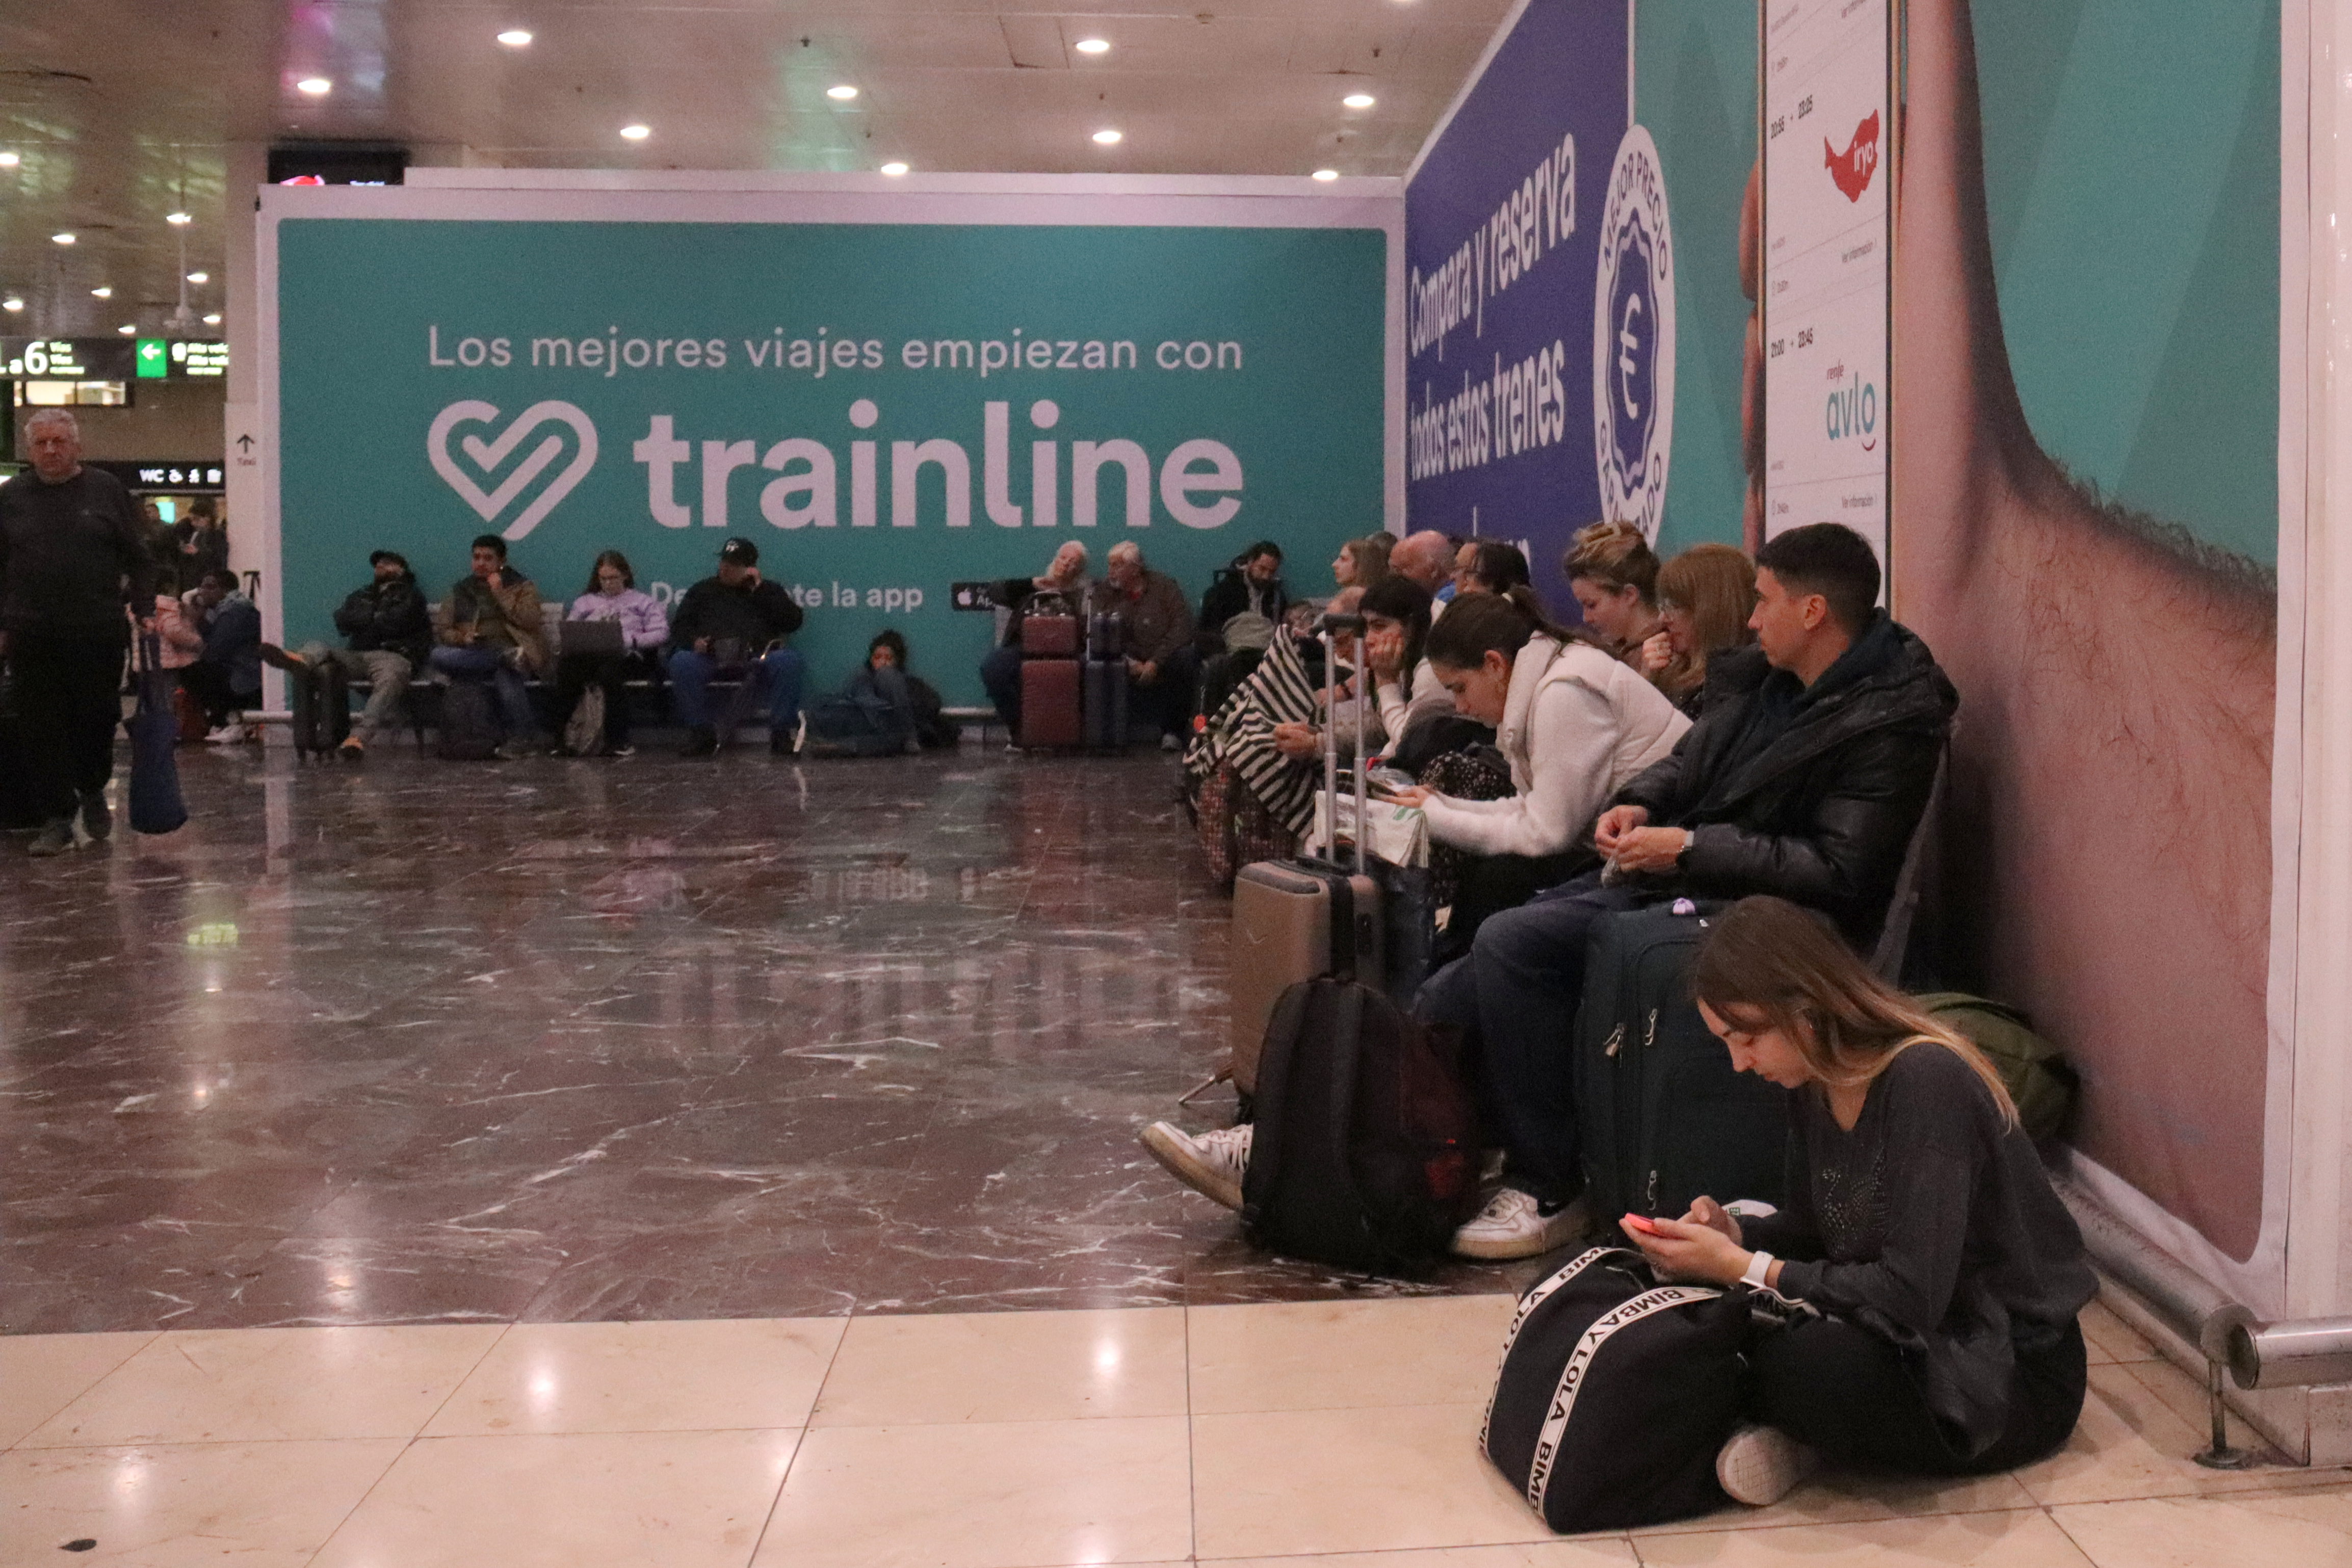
x,y
1932,1226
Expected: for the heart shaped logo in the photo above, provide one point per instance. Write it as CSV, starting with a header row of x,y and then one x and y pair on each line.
x,y
490,455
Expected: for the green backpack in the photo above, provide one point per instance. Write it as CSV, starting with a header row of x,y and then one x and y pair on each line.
x,y
2034,1071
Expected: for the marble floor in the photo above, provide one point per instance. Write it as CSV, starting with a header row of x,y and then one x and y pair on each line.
x,y
731,1163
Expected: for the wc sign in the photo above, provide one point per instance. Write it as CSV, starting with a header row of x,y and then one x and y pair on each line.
x,y
885,408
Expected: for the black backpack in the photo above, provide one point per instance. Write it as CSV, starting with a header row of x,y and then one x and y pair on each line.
x,y
1364,1155
321,695
1615,1393
469,724
933,728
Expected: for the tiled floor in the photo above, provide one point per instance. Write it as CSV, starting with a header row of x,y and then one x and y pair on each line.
x,y
733,1164
1299,1432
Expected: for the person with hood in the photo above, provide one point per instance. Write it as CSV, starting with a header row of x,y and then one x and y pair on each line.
x,y
388,634
734,622
225,677
493,627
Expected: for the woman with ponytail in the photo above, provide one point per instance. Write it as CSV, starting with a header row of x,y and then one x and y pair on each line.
x,y
1573,723
1936,1275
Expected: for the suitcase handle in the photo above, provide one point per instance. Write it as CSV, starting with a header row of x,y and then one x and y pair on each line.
x,y
1329,627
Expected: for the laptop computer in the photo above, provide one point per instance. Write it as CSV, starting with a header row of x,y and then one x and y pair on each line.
x,y
592,637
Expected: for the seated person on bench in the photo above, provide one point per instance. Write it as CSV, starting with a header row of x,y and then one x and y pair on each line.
x,y
1163,669
493,628
1920,1223
1066,581
612,594
734,624
1804,778
388,630
1573,723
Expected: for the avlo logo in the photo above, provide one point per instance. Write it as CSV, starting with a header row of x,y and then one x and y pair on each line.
x,y
1634,339
1851,411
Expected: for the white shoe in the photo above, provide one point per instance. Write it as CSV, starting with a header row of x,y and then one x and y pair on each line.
x,y
226,736
1761,1465
1171,743
1513,1224
1210,1164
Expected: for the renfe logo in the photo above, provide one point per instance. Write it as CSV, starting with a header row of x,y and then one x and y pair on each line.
x,y
1851,170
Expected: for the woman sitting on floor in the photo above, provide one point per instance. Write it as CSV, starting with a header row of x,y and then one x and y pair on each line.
x,y
1942,1273
876,714
1705,597
1572,722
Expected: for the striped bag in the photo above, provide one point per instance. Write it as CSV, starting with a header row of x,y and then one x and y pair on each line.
x,y
1615,1393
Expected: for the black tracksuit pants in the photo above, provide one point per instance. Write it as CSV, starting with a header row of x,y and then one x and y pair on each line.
x,y
68,702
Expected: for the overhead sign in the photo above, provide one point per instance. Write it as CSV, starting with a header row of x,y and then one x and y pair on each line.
x,y
186,476
886,408
111,359
1827,243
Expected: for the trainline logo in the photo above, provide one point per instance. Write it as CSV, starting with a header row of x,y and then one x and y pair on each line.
x,y
488,456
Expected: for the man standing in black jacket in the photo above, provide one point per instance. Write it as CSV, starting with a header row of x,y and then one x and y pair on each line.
x,y
389,631
1805,777
734,624
72,553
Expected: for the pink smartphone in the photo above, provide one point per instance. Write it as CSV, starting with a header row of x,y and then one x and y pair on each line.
x,y
1645,1225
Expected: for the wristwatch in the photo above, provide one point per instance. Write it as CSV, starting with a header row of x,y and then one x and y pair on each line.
x,y
1682,856
1760,1265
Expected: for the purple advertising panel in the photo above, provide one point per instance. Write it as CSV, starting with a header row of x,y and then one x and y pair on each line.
x,y
1533,190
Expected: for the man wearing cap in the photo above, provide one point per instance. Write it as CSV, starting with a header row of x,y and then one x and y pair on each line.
x,y
390,633
734,624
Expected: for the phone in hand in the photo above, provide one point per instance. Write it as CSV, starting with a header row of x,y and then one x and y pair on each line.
x,y
1641,1223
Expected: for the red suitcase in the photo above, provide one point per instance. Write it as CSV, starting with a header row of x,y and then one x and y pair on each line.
x,y
1049,702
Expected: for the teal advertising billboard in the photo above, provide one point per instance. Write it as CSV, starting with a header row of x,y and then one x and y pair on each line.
x,y
885,407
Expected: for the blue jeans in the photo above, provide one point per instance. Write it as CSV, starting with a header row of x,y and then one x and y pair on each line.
x,y
482,663
776,672
1000,673
1514,996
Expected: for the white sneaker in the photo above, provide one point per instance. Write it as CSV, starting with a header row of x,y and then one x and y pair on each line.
x,y
226,736
1210,1164
1761,1465
1513,1224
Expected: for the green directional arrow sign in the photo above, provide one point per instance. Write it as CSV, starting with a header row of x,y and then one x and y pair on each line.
x,y
152,357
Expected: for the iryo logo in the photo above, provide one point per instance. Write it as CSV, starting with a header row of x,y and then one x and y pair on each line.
x,y
1853,410
1851,170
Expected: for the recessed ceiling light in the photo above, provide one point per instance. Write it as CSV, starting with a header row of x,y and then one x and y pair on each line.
x,y
103,291
314,86
12,303
200,276
61,238
1092,46
1358,100
1107,137
636,132
10,160
178,219
514,37
213,320
1327,173
128,329
894,170
841,92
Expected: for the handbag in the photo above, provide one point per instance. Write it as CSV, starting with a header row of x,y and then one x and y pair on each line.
x,y
156,804
583,733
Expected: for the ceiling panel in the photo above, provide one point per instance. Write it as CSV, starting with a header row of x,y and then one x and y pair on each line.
x,y
123,110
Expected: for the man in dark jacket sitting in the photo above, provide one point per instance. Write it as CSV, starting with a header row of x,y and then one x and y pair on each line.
x,y
389,631
1162,667
734,624
1805,778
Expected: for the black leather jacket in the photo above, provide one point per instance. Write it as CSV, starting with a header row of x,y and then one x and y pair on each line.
x,y
391,616
1822,814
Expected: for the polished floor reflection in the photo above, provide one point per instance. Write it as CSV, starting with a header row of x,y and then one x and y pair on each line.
x,y
442,1043
1313,1435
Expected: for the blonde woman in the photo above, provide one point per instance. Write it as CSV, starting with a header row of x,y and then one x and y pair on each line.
x,y
1614,574
1942,1274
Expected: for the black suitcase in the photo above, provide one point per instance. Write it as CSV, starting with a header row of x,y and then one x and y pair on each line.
x,y
469,723
1103,704
321,697
1659,1113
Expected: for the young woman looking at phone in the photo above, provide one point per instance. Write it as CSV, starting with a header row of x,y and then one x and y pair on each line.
x,y
1920,1226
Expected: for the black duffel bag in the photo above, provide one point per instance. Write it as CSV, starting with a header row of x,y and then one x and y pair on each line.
x,y
1616,1393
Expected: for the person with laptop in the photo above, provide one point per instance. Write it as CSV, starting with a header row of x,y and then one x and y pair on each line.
x,y
732,624
611,635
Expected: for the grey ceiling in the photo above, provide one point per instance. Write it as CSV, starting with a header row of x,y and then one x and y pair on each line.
x,y
124,109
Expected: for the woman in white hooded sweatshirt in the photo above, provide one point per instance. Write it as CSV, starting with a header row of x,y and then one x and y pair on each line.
x,y
1574,724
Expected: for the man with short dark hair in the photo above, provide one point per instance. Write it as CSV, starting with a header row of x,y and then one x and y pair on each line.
x,y
735,624
1252,583
493,628
69,544
389,630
